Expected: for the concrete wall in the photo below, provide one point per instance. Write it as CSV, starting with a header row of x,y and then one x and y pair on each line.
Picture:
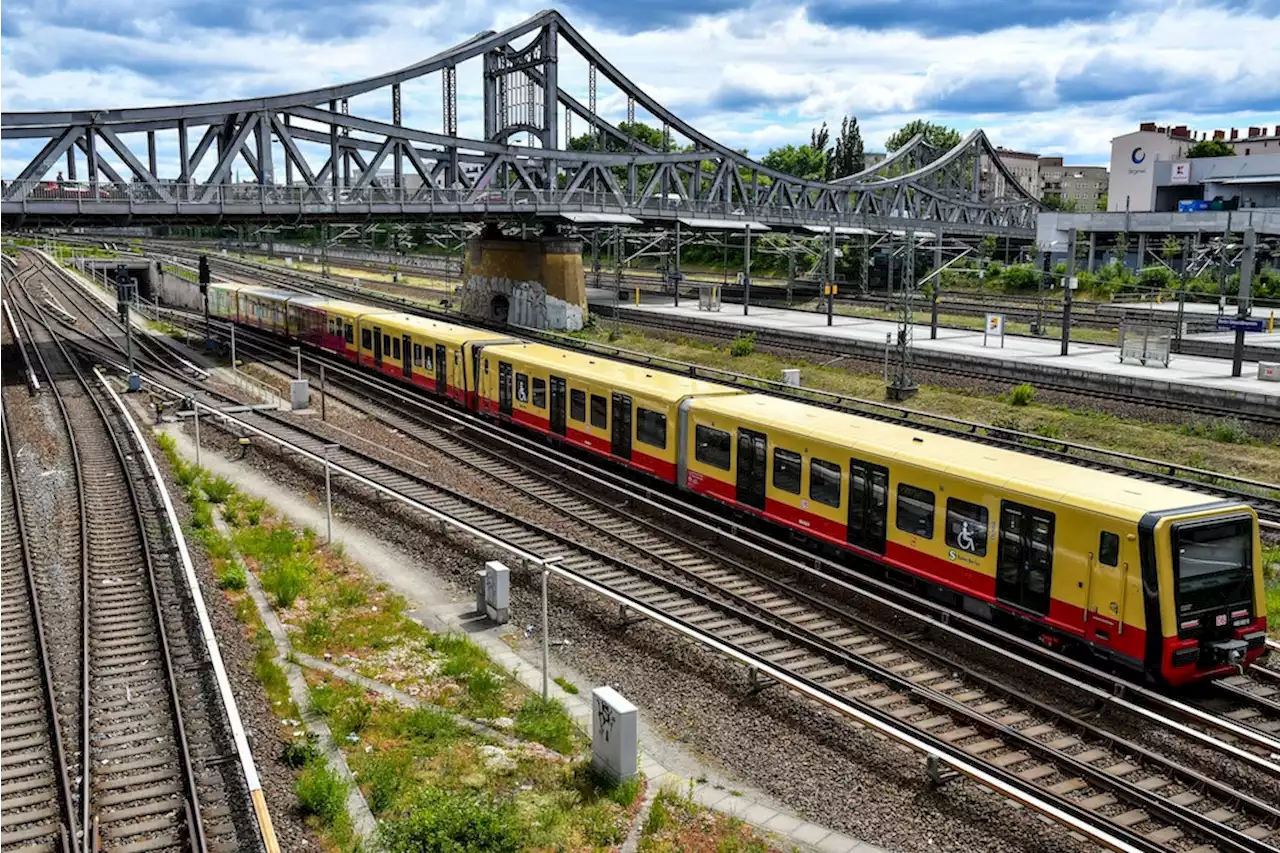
x,y
177,292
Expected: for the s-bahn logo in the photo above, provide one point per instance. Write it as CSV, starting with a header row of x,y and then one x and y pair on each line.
x,y
1137,156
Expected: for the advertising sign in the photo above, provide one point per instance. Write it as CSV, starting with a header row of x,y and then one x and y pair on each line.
x,y
1180,172
994,327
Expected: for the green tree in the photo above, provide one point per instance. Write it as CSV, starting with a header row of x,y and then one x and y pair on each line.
x,y
802,161
937,135
987,248
1211,148
848,157
1102,202
1055,201
639,131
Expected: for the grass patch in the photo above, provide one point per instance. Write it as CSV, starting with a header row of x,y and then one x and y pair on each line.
x,y
566,685
1022,395
743,345
1221,430
676,824
218,489
441,820
268,672
385,777
233,575
300,752
546,722
322,792
287,580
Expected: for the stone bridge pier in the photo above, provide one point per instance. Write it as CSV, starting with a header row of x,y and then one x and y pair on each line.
x,y
536,282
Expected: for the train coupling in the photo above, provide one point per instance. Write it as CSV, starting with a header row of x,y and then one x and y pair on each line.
x,y
1229,652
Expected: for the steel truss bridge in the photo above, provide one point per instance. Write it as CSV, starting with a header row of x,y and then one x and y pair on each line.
x,y
314,160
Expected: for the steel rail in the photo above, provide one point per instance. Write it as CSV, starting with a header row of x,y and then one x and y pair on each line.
x,y
191,802
61,768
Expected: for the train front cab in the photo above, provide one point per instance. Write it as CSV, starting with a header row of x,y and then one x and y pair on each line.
x,y
428,353
622,412
1211,610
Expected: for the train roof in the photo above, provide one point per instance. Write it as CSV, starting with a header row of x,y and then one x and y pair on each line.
x,y
1030,475
393,320
337,306
640,380
270,293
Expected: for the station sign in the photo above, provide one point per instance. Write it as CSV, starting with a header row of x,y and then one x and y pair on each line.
x,y
1246,324
993,328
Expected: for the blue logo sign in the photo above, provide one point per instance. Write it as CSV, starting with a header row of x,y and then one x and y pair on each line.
x,y
1138,155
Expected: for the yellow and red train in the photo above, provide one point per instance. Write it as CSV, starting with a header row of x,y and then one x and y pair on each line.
x,y
1164,582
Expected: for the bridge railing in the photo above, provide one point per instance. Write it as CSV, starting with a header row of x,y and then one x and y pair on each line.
x,y
171,198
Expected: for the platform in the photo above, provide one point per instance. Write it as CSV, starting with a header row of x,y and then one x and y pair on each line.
x,y
1022,358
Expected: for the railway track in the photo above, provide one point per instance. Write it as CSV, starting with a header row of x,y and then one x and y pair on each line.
x,y
36,806
156,741
1076,764
1156,803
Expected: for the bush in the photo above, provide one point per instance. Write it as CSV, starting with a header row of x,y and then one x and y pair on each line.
x,y
218,489
265,544
743,345
546,722
1224,430
1021,277
428,726
351,717
201,515
321,793
300,751
233,576
443,820
1157,278
1022,395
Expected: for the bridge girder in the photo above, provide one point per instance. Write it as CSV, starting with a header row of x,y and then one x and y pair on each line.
x,y
334,162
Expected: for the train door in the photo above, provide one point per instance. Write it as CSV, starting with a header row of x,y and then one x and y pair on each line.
x,y
504,388
868,505
1024,568
1105,590
442,370
377,346
558,394
406,349
621,425
753,461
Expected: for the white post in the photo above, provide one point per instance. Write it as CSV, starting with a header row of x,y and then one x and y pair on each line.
x,y
195,415
298,350
322,393
328,498
233,347
546,644
888,339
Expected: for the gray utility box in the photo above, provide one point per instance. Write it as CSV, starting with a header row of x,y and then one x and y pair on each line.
x,y
497,591
613,735
299,394
1269,371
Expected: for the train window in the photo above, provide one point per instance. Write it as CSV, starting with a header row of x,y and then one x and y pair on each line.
x,y
599,412
651,428
915,511
417,355
428,358
540,393
966,526
386,344
786,470
522,387
824,482
712,447
349,333
578,405
1108,548
366,339
395,349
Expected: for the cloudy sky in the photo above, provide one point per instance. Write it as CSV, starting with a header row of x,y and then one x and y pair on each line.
x,y
1053,76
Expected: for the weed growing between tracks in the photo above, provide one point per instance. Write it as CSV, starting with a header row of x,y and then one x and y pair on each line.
x,y
1211,448
432,780
1271,582
676,824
